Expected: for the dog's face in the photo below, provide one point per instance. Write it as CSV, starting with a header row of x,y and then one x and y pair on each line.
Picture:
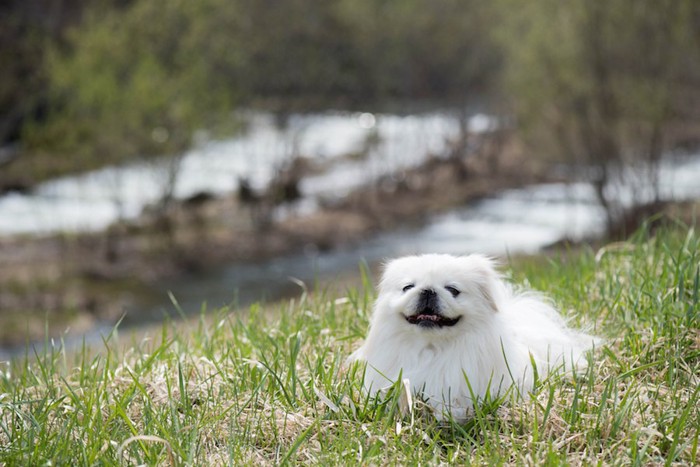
x,y
438,294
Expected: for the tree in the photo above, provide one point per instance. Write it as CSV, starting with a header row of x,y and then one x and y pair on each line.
x,y
604,84
425,49
140,81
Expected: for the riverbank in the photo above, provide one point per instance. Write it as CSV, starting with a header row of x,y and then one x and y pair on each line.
x,y
76,281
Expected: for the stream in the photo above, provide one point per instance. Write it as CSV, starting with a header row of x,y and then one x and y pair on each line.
x,y
516,221
381,144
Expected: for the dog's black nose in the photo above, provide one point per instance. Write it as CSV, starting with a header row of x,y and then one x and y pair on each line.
x,y
427,293
427,301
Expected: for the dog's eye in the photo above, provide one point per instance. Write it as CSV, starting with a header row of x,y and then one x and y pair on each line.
x,y
452,290
408,287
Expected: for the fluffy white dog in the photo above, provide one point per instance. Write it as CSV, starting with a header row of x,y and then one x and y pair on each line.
x,y
458,332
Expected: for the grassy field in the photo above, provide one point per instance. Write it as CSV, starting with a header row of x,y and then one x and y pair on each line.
x,y
269,387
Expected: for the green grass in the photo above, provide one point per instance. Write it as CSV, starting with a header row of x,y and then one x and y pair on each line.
x,y
269,387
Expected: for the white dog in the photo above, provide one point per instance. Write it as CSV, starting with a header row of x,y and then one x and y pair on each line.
x,y
458,332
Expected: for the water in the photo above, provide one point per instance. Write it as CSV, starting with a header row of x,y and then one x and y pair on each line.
x,y
92,201
516,221
389,143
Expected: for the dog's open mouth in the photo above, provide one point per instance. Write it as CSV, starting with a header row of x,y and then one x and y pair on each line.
x,y
431,320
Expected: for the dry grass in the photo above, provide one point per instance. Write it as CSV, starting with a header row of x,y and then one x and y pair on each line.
x,y
254,388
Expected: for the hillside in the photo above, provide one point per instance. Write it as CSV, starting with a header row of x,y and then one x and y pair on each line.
x,y
266,387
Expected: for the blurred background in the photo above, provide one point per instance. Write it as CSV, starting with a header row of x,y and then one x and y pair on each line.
x,y
157,152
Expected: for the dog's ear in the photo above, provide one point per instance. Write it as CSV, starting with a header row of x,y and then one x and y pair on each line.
x,y
487,280
388,272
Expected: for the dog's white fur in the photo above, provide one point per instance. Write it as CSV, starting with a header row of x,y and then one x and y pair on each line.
x,y
499,334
